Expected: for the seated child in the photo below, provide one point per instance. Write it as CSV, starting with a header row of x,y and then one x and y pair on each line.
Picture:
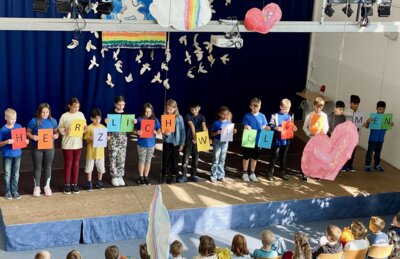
x,y
266,251
74,254
359,231
112,252
207,248
176,250
239,248
302,249
377,237
329,244
144,254
394,236
43,255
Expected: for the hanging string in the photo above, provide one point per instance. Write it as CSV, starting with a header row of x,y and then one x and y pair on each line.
x,y
167,49
384,68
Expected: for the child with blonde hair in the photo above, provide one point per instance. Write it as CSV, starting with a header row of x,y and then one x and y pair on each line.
x,y
173,143
358,231
377,237
239,248
266,251
176,250
316,126
302,249
112,252
329,244
43,255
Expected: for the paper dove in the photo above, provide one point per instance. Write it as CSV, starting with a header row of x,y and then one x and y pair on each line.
x,y
209,46
167,55
199,54
95,33
201,69
164,66
93,63
188,57
144,68
183,40
157,78
73,44
195,43
115,54
94,7
228,2
166,84
102,51
152,54
224,59
139,56
118,66
109,80
129,78
211,59
90,46
189,73
212,7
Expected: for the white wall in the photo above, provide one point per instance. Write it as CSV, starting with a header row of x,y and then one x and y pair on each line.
x,y
370,68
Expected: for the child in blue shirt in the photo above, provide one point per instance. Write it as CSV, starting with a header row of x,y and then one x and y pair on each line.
x,y
266,251
377,237
11,157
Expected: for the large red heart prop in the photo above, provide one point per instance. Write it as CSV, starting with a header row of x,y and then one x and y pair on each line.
x,y
323,157
263,21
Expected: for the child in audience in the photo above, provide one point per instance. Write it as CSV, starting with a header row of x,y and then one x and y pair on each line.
x,y
377,237
349,113
74,254
266,251
239,248
358,231
220,148
117,146
43,255
329,244
280,146
173,143
71,146
394,236
94,155
176,250
112,252
302,247
146,146
375,142
11,157
253,120
207,248
144,254
195,122
42,120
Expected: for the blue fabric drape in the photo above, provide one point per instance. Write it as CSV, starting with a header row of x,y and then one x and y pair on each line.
x,y
37,67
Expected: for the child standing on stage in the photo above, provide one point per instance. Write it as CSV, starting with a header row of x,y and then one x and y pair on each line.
x,y
280,146
220,148
195,122
375,142
337,117
117,147
253,120
349,113
71,146
146,146
42,120
172,144
94,155
320,126
11,157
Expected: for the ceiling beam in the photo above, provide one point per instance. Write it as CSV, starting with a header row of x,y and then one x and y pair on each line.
x,y
59,24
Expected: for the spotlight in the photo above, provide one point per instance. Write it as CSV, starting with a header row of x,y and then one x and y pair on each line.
x,y
384,10
105,6
40,5
347,10
329,10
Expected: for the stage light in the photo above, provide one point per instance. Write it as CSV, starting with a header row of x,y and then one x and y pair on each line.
x,y
40,5
329,10
347,10
384,9
105,6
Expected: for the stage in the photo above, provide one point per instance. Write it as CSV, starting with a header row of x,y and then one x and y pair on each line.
x,y
120,213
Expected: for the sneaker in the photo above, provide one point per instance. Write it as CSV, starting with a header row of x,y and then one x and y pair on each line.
x,y
100,185
115,181
344,169
213,180
253,177
304,178
245,178
36,191
147,181
141,181
194,178
47,191
221,179
350,168
67,189
379,168
182,179
8,196
284,176
89,186
367,169
121,181
16,196
75,189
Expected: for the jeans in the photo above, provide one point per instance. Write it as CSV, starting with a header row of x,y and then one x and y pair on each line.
x,y
281,153
11,174
190,149
219,156
376,148
44,157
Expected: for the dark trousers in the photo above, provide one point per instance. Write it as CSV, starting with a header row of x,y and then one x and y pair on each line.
x,y
350,161
190,149
71,165
281,153
376,148
170,159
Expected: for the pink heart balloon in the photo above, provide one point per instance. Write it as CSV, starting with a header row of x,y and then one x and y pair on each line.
x,y
323,157
263,21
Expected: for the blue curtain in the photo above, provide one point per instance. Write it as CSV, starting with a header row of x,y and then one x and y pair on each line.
x,y
37,67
